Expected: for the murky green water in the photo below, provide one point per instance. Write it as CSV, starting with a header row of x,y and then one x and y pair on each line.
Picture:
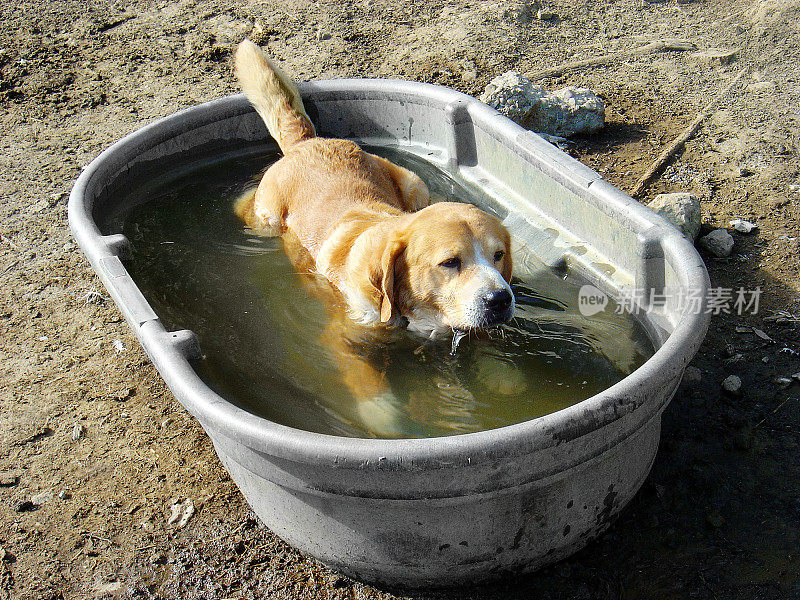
x,y
261,327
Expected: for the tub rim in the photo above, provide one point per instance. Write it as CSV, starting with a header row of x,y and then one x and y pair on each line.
x,y
170,352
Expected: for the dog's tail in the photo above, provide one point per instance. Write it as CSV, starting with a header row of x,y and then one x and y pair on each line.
x,y
274,97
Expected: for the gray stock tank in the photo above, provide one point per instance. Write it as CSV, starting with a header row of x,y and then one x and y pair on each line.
x,y
444,510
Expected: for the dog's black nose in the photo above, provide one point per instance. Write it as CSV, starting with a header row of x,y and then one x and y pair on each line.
x,y
498,303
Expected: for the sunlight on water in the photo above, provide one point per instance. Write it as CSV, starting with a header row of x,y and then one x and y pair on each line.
x,y
267,345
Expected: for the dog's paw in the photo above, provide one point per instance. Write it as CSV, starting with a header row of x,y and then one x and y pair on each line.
x,y
500,377
383,416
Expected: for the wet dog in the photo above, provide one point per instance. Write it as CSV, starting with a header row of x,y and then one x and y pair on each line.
x,y
369,228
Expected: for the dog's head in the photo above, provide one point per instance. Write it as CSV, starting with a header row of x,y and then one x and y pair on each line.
x,y
447,267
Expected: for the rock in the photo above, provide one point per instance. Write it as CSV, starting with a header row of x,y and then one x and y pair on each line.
x,y
64,495
761,86
565,112
719,243
181,512
8,480
77,432
323,35
682,210
545,15
39,206
796,376
743,226
716,56
732,385
41,498
692,375
112,588
783,382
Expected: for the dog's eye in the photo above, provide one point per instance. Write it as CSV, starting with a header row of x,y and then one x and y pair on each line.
x,y
451,263
499,255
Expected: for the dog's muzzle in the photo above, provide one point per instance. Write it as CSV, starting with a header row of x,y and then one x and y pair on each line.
x,y
499,307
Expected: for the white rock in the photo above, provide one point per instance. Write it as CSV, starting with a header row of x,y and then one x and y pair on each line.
x,y
41,498
682,210
716,56
181,512
719,242
39,206
761,86
743,226
77,432
564,113
732,384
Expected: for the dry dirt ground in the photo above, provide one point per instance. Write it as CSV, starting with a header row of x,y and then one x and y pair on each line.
x,y
718,517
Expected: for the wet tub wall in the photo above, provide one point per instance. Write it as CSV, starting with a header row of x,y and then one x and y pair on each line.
x,y
396,511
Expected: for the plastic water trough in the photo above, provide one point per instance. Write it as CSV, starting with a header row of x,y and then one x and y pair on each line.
x,y
447,510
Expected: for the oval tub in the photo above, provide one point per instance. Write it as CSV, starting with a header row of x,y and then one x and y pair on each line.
x,y
447,510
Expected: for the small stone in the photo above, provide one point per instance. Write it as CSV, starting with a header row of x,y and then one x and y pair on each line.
x,y
119,346
111,588
796,376
39,206
545,15
25,506
69,246
716,56
565,112
77,432
692,375
323,35
181,512
761,86
743,226
682,210
783,382
732,385
64,495
719,243
8,480
41,498
765,359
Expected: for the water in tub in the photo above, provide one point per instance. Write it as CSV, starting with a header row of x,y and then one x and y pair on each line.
x,y
267,348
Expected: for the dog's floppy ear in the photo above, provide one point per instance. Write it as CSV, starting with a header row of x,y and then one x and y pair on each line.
x,y
394,247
